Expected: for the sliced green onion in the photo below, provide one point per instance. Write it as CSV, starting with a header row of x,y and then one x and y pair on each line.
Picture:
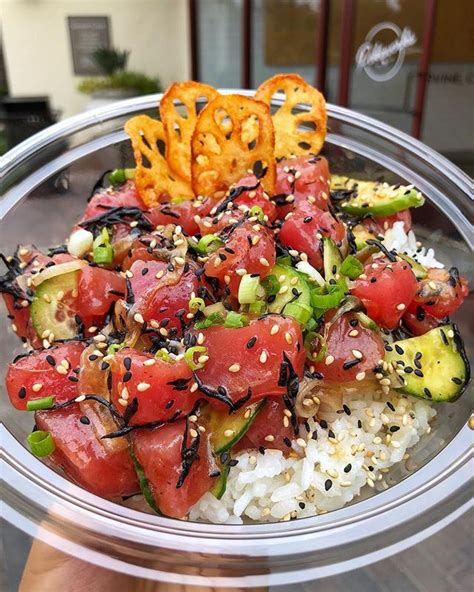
x,y
119,176
213,319
38,404
235,320
196,304
351,267
311,324
286,260
211,309
271,285
257,308
164,354
258,212
366,321
114,348
208,244
300,312
308,345
327,301
189,356
41,443
102,251
248,289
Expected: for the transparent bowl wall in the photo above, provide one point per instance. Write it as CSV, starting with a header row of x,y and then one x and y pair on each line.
x,y
44,186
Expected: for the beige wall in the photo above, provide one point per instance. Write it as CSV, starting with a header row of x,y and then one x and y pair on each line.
x,y
37,47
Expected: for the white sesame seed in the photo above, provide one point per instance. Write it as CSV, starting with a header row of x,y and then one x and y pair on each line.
x,y
154,324
283,289
229,433
61,370
263,357
202,429
432,285
150,362
138,318
357,354
385,382
255,239
234,368
264,262
329,360
353,333
129,274
269,438
287,412
203,359
194,387
143,386
360,376
80,398
193,433
122,402
241,271
274,330
160,274
451,334
401,306
301,442
37,387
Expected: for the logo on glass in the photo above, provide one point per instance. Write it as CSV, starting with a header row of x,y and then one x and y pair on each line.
x,y
381,62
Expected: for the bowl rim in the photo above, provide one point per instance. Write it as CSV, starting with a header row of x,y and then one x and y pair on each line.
x,y
62,502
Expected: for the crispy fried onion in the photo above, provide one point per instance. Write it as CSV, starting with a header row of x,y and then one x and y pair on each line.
x,y
233,134
179,127
300,122
153,176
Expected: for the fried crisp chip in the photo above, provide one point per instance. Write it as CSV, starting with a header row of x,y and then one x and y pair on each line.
x,y
296,132
233,134
178,127
153,176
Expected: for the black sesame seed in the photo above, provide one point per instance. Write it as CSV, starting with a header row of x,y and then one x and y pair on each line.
x,y
233,462
443,337
145,270
22,392
350,364
408,370
456,380
327,484
359,423
251,342
394,428
169,404
93,357
388,347
261,450
127,376
418,355
302,505
417,364
353,322
399,349
346,409
347,468
390,406
287,441
418,373
73,378
85,420
104,366
307,219
51,361
427,392
224,457
323,423
331,434
127,362
314,435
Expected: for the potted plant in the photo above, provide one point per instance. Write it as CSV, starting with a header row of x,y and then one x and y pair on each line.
x,y
115,82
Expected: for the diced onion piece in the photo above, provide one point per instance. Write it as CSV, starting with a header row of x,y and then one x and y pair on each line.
x,y
312,272
248,289
55,270
80,242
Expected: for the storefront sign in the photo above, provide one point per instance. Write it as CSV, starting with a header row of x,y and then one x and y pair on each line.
x,y
381,62
87,33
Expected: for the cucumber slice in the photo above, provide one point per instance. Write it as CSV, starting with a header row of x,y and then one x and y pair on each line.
x,y
53,314
361,234
218,489
378,199
332,260
226,430
419,270
294,280
435,366
144,484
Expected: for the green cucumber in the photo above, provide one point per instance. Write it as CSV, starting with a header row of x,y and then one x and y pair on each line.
x,y
378,199
53,314
144,484
361,234
438,369
226,430
418,269
332,260
293,280
219,487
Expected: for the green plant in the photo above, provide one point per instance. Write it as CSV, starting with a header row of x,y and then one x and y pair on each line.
x,y
126,80
110,60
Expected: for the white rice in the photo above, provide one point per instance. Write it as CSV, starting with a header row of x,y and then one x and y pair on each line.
x,y
352,452
397,238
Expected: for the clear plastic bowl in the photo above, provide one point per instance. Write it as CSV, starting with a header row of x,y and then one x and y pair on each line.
x,y
44,185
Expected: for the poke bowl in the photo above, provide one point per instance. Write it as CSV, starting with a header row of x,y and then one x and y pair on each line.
x,y
250,535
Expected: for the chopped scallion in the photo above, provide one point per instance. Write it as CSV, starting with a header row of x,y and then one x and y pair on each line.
x,y
38,404
41,443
